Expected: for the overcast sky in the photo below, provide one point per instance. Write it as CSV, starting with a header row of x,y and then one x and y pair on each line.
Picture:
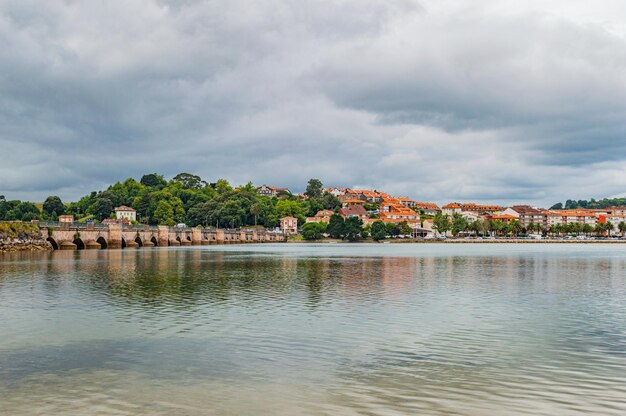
x,y
439,100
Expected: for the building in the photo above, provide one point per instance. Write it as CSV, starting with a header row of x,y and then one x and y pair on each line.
x,y
407,202
366,195
289,225
352,201
336,191
321,216
397,212
66,218
125,213
354,211
564,217
527,215
481,209
428,207
451,209
270,191
505,217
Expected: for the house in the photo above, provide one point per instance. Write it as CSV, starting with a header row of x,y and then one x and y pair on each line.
x,y
428,207
352,201
66,218
354,211
125,213
289,225
470,216
336,191
407,202
270,191
396,212
321,216
451,209
366,195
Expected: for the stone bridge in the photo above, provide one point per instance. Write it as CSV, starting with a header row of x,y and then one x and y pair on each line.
x,y
73,236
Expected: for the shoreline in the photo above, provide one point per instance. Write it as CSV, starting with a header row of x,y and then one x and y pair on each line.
x,y
461,241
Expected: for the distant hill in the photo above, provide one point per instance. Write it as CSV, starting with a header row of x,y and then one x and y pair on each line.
x,y
592,203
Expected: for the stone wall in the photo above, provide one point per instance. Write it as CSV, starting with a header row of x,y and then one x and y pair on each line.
x,y
19,236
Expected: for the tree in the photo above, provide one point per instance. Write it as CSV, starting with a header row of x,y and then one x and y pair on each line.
x,y
101,208
515,227
441,223
53,204
289,208
609,226
153,180
336,226
164,213
353,229
314,189
331,202
404,228
379,231
459,224
256,210
622,227
558,205
313,230
189,181
392,229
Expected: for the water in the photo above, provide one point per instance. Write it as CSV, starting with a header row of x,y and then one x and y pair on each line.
x,y
315,329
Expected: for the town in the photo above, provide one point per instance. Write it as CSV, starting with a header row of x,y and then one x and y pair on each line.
x,y
318,213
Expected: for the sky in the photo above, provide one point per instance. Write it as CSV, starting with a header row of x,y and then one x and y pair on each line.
x,y
437,100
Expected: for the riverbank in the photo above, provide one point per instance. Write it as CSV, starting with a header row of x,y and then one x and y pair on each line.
x,y
463,241
19,236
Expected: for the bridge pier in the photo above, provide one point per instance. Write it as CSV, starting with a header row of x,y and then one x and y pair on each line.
x,y
67,245
163,236
93,245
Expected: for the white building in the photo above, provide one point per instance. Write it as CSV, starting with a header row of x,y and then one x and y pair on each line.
x,y
125,213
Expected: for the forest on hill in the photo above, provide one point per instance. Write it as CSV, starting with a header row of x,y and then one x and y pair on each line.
x,y
591,204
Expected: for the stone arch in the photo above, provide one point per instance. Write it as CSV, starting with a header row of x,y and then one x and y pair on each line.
x,y
154,241
80,245
102,241
53,243
123,243
178,239
138,241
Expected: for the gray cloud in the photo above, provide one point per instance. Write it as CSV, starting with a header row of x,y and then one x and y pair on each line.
x,y
434,99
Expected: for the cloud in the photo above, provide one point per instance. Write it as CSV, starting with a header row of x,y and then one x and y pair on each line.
x,y
437,100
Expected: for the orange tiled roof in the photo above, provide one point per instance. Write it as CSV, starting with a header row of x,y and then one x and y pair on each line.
x,y
426,205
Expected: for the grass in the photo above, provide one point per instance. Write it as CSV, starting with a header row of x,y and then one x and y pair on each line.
x,y
14,229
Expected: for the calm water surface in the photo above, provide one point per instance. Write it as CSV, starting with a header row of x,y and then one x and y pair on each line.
x,y
315,329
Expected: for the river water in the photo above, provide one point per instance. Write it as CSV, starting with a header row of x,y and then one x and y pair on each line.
x,y
304,329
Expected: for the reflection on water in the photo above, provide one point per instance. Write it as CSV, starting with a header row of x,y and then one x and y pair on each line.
x,y
315,329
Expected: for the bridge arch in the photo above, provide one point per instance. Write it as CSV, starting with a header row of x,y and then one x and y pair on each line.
x,y
102,241
138,241
123,243
80,245
53,243
154,241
